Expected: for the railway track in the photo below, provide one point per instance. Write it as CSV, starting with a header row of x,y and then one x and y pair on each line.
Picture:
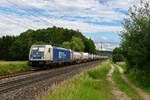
x,y
15,74
18,83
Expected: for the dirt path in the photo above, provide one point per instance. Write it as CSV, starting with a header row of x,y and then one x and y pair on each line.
x,y
144,95
115,91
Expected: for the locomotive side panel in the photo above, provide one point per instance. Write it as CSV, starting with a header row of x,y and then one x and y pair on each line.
x,y
61,54
48,54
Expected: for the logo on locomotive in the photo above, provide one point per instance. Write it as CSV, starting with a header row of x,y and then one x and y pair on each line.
x,y
62,55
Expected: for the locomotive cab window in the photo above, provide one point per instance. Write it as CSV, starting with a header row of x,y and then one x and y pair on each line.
x,y
38,50
49,50
41,49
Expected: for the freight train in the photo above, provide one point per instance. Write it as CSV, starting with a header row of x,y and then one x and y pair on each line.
x,y
46,55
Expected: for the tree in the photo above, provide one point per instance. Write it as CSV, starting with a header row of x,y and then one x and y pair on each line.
x,y
18,51
66,45
17,48
136,38
89,46
39,43
76,44
5,43
117,55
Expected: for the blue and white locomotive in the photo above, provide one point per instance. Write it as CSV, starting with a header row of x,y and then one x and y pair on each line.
x,y
46,54
41,55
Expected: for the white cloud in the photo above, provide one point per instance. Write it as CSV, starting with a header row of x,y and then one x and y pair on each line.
x,y
106,46
122,4
14,25
90,11
103,38
20,24
72,8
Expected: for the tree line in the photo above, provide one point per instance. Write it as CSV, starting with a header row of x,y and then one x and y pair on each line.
x,y
135,44
17,47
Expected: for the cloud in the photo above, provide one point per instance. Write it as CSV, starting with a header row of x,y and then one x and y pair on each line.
x,y
122,4
21,23
13,24
106,46
89,16
103,38
92,9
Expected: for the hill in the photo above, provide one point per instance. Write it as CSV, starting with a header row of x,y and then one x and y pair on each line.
x,y
17,47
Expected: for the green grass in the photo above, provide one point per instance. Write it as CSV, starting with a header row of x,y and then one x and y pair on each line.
x,y
12,62
123,66
92,85
141,84
124,87
134,78
7,68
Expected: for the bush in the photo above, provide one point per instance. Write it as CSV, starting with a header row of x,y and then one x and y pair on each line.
x,y
136,39
117,55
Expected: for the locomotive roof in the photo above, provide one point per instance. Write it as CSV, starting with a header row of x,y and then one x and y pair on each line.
x,y
61,48
41,45
52,46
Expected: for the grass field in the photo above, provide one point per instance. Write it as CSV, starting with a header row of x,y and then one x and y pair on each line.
x,y
7,67
134,79
12,62
92,85
124,87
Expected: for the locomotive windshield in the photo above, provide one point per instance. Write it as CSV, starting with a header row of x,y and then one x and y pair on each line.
x,y
37,50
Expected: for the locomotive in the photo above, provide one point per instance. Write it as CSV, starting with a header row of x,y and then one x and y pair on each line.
x,y
45,55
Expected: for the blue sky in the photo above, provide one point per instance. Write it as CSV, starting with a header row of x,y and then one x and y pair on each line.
x,y
99,20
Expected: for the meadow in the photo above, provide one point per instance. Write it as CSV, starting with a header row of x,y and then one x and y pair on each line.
x,y
133,77
91,85
7,67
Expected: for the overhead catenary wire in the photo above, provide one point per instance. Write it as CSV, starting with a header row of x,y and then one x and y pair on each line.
x,y
108,42
102,44
29,12
17,22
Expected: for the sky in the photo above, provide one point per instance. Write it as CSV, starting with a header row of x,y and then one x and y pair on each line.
x,y
100,20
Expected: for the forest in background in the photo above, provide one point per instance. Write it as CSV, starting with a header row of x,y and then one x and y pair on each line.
x,y
17,47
